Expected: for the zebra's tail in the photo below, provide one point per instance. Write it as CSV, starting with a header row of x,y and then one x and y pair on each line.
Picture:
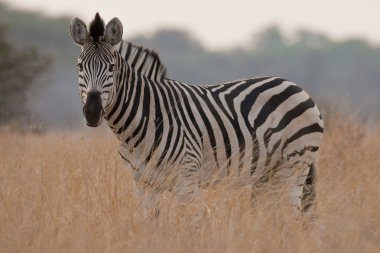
x,y
309,193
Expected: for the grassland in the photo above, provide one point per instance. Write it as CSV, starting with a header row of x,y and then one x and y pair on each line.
x,y
70,192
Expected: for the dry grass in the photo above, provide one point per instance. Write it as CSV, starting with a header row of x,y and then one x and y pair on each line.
x,y
69,192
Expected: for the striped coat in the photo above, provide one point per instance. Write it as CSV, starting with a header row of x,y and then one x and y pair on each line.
x,y
177,136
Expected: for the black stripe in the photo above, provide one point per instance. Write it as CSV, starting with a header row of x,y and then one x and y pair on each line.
x,y
272,104
234,122
255,154
223,87
302,151
294,113
169,126
158,121
173,102
180,149
245,85
128,52
223,130
175,144
135,105
288,117
183,113
143,124
151,68
119,98
193,148
145,113
246,106
314,128
270,154
143,63
107,85
250,99
157,68
187,110
137,56
209,127
128,161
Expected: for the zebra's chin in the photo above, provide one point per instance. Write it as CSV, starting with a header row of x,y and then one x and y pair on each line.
x,y
91,124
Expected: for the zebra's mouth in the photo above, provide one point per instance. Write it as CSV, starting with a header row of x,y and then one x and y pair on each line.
x,y
94,122
93,110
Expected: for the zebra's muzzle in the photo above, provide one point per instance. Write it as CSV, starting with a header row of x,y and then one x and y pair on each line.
x,y
93,110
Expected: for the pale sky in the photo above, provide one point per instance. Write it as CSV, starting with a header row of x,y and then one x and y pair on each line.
x,y
219,24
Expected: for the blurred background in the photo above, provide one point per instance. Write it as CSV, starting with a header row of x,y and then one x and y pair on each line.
x,y
330,48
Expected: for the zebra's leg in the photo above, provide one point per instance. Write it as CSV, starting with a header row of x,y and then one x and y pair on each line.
x,y
257,190
187,192
187,189
149,199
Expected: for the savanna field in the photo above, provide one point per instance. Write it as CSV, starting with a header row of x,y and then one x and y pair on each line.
x,y
70,192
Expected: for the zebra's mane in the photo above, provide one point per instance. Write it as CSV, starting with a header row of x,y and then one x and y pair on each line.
x,y
97,28
143,60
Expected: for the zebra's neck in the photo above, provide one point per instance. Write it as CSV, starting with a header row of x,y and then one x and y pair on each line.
x,y
126,114
142,60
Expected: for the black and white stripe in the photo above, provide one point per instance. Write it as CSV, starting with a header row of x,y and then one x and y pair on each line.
x,y
179,136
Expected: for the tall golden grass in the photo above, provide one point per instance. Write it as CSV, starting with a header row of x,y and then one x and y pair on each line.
x,y
70,192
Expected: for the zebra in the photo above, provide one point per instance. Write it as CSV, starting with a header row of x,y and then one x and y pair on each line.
x,y
181,137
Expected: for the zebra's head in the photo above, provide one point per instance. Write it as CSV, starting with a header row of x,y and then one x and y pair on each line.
x,y
96,64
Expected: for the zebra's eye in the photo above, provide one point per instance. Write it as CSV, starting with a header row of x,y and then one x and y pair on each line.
x,y
110,68
80,66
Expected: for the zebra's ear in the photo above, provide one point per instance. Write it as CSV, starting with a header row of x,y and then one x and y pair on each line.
x,y
114,31
78,30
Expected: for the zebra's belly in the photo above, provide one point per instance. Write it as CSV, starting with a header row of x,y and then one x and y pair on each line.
x,y
240,171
